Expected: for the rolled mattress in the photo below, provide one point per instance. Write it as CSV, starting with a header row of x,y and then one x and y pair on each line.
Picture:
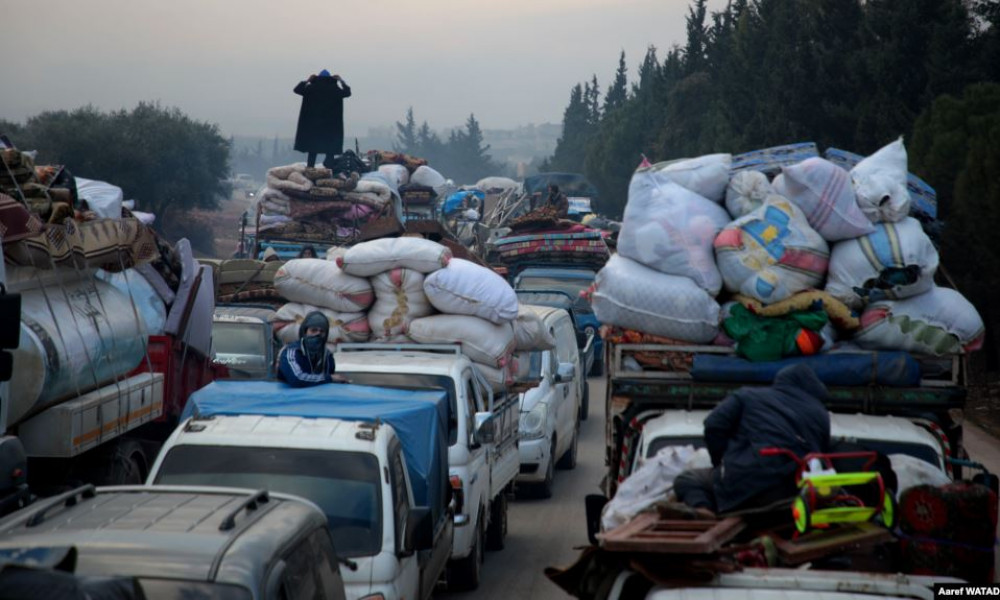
x,y
74,338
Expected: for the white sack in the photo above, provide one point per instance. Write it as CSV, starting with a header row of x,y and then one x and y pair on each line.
x,y
465,288
384,254
396,174
880,184
634,296
771,253
651,482
426,176
499,378
399,298
938,322
746,191
322,283
102,197
529,331
824,193
857,265
706,175
671,229
344,327
482,341
911,472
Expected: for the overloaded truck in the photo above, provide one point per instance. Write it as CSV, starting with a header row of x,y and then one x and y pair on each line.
x,y
110,336
375,460
481,473
730,268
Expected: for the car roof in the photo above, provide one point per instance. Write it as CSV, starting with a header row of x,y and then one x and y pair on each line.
x,y
279,431
176,532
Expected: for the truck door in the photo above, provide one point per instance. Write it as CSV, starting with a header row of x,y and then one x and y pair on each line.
x,y
409,582
566,391
479,470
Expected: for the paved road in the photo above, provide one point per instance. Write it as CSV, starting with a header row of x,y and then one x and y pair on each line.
x,y
544,532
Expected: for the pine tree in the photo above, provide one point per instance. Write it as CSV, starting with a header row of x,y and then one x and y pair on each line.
x,y
406,135
617,92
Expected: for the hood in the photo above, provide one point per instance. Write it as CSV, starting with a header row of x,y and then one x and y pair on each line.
x,y
530,398
800,378
315,319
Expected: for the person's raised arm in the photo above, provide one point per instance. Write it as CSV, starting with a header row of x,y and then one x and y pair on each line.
x,y
301,87
346,89
721,425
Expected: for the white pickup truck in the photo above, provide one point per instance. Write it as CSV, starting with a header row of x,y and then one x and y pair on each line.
x,y
374,463
481,474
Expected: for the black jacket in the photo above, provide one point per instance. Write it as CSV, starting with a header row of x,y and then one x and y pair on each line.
x,y
789,414
321,118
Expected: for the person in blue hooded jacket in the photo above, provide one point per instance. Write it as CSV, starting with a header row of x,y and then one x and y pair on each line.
x,y
308,361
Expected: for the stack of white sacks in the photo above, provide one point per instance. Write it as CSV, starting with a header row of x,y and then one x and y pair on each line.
x,y
406,290
816,226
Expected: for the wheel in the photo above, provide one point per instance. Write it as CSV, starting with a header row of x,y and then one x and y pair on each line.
x,y
545,488
496,532
800,513
887,516
585,401
124,464
567,461
464,574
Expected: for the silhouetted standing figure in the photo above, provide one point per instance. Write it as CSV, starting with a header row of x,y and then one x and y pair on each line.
x,y
321,118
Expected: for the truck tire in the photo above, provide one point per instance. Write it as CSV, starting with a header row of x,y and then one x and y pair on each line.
x,y
496,533
125,465
464,574
567,461
544,489
585,401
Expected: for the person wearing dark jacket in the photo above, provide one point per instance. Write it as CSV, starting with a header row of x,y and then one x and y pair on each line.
x,y
558,201
789,414
321,118
308,361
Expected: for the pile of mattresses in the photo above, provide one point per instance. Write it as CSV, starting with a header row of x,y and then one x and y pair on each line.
x,y
782,253
411,290
93,289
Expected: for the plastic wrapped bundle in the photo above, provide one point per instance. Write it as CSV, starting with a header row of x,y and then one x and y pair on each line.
x,y
706,175
482,341
465,288
322,283
747,190
823,191
384,254
897,261
631,295
880,184
938,322
671,229
771,253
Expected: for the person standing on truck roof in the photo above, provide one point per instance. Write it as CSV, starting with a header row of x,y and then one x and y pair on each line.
x,y
308,361
321,118
790,414
558,201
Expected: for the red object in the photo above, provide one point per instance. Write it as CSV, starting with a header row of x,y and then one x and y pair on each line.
x,y
809,342
184,371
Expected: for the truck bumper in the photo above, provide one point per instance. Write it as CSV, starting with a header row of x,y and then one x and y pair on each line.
x,y
535,457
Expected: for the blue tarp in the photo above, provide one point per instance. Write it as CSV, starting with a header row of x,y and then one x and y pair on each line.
x,y
835,369
454,201
420,419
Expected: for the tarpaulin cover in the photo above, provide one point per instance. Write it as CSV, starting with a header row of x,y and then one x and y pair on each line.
x,y
420,419
840,368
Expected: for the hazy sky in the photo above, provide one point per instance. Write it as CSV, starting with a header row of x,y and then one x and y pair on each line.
x,y
235,62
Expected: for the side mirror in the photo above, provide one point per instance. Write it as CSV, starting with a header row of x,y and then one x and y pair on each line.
x,y
419,534
485,432
273,585
594,505
565,372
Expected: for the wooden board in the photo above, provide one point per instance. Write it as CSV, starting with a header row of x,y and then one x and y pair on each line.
x,y
820,543
647,532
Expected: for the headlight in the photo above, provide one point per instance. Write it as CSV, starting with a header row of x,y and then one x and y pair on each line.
x,y
533,422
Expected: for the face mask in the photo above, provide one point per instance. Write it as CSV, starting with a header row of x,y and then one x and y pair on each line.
x,y
315,348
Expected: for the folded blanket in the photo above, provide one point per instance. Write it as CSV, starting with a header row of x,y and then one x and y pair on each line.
x,y
317,173
109,244
348,182
286,171
16,221
295,182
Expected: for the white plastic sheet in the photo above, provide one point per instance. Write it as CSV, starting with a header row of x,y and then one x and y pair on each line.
x,y
652,482
322,283
482,341
747,190
824,193
377,256
102,197
880,184
706,175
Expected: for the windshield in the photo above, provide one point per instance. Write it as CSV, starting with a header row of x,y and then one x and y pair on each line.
x,y
573,287
174,589
345,485
413,381
240,338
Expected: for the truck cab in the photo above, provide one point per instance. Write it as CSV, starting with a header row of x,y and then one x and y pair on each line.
x,y
532,282
243,341
481,470
362,455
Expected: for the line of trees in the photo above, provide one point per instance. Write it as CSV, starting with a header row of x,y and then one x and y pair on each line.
x,y
852,74
463,157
